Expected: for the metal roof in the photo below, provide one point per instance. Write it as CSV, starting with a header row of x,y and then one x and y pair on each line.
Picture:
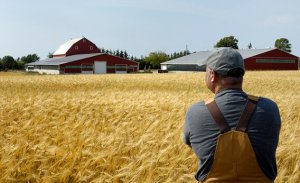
x,y
63,60
199,58
62,49
246,53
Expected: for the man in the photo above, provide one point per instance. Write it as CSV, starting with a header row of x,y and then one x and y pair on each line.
x,y
234,135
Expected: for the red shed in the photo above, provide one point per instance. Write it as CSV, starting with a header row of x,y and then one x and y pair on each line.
x,y
83,57
269,59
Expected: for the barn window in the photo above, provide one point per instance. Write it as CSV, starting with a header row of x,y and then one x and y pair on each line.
x,y
50,67
185,67
274,61
120,68
76,47
73,66
91,47
87,68
30,68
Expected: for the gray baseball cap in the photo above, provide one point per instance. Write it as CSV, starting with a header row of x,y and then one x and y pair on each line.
x,y
224,60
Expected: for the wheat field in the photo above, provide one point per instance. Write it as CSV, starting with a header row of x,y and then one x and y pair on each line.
x,y
121,128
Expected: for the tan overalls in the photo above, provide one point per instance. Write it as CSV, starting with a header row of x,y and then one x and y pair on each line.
x,y
234,158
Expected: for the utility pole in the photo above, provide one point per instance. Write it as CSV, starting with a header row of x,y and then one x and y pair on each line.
x,y
186,50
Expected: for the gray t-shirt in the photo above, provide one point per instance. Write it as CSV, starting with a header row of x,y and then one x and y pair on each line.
x,y
201,132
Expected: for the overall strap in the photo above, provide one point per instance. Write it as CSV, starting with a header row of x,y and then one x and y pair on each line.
x,y
217,116
247,113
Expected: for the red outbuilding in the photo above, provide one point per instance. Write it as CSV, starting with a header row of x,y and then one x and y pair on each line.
x,y
269,59
81,56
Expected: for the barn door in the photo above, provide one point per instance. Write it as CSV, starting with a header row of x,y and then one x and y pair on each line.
x,y
100,67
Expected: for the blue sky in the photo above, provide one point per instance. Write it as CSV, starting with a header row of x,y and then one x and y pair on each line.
x,y
140,27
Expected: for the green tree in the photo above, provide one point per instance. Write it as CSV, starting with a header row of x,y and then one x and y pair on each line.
x,y
155,58
186,52
1,68
249,46
20,65
181,54
8,62
229,41
50,54
283,44
121,54
117,53
126,56
142,63
30,58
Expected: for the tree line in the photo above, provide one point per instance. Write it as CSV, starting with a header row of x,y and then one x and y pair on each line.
x,y
9,63
152,60
231,41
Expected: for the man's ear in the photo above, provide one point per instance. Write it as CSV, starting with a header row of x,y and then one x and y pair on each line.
x,y
213,76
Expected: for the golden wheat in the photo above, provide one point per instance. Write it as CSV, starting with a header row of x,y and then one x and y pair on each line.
x,y
121,128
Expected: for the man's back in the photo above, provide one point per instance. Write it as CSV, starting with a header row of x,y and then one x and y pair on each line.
x,y
201,131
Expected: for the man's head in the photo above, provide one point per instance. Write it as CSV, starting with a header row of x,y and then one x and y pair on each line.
x,y
224,69
225,60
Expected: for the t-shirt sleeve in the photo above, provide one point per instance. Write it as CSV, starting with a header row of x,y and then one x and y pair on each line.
x,y
277,122
186,131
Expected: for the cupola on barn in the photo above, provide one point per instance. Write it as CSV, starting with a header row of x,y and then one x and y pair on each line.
x,y
81,56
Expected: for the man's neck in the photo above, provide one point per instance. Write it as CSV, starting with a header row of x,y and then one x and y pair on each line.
x,y
219,88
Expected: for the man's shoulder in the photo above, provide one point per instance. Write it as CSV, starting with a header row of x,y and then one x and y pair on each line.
x,y
266,102
197,106
262,101
268,107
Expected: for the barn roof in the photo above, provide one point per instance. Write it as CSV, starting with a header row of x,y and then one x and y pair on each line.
x,y
62,49
63,60
246,53
199,58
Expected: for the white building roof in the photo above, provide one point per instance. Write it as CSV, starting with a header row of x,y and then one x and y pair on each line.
x,y
62,49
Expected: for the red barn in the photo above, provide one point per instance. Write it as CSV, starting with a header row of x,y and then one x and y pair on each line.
x,y
269,59
81,56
